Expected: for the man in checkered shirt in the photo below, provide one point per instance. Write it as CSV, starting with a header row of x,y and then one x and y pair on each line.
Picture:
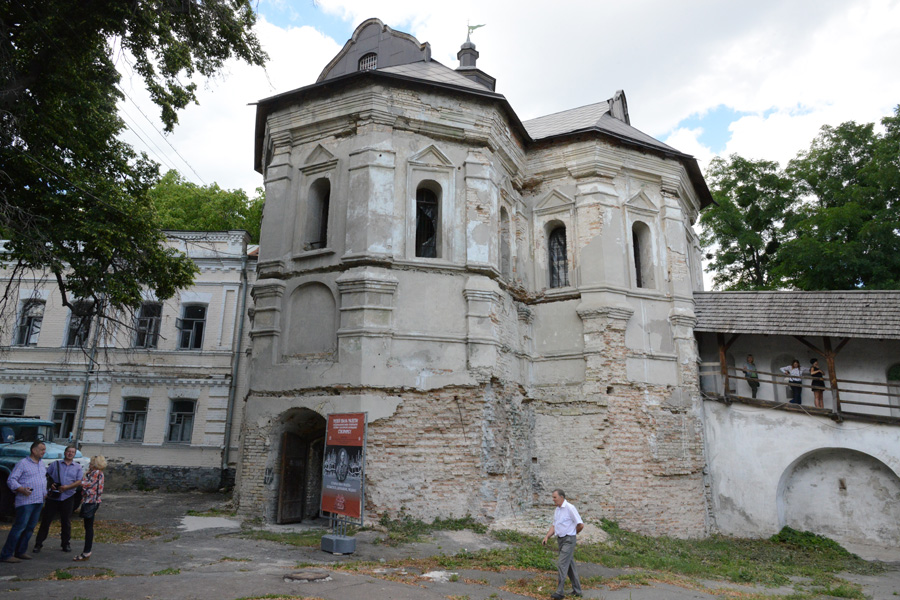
x,y
28,481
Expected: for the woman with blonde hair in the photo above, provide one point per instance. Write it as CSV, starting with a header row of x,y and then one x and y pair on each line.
x,y
92,489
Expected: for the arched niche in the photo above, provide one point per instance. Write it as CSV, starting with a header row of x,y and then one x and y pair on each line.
x,y
312,321
844,494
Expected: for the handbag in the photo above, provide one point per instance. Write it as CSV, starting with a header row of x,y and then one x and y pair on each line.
x,y
53,494
76,499
89,509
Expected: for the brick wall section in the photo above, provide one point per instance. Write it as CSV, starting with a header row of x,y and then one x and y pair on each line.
x,y
129,476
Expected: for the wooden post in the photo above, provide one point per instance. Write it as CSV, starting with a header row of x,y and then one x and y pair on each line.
x,y
723,363
832,376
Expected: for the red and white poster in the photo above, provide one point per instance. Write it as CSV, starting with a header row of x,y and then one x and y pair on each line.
x,y
342,466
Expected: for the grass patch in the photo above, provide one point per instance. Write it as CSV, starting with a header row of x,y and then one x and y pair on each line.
x,y
404,529
211,512
105,532
305,539
233,559
94,573
769,562
169,571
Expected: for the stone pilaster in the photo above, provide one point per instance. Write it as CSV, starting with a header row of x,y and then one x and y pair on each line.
x,y
371,205
483,324
482,213
266,331
604,345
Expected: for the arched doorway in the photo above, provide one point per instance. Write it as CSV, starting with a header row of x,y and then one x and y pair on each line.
x,y
300,465
844,494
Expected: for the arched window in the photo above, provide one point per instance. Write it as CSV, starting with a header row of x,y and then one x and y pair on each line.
x,y
317,215
643,256
427,223
559,260
505,251
368,62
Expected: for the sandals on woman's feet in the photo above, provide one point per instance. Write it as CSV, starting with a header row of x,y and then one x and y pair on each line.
x,y
81,557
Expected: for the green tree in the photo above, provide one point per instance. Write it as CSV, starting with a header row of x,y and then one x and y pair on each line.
x,y
846,233
744,227
181,204
73,197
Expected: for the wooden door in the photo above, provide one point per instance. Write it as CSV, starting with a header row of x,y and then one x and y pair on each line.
x,y
292,492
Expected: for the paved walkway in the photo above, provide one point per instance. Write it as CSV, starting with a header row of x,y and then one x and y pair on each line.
x,y
200,558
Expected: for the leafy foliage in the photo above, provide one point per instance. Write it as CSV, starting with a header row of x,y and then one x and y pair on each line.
x,y
183,205
73,197
831,220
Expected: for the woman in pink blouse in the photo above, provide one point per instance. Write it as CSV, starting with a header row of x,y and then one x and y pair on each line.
x,y
92,489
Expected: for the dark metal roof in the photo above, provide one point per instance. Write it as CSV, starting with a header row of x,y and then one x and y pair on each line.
x,y
854,314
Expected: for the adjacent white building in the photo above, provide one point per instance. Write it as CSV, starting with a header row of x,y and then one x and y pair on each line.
x,y
161,392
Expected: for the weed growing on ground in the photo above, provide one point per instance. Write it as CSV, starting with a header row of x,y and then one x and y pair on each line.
x,y
233,559
105,532
211,512
169,571
93,573
307,539
61,574
404,529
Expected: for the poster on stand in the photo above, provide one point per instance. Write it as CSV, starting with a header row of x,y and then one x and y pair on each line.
x,y
343,465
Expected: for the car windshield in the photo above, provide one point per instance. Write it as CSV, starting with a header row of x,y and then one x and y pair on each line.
x,y
33,433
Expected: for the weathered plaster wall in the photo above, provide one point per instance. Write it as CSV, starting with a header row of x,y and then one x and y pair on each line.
x,y
838,479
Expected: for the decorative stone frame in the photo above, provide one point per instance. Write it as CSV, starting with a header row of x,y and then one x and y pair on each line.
x,y
431,168
641,209
320,164
554,210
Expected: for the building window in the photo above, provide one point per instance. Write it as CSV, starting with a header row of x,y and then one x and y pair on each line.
x,y
427,223
559,261
80,317
147,326
64,417
317,215
505,249
29,327
191,326
368,62
134,420
13,406
643,256
181,421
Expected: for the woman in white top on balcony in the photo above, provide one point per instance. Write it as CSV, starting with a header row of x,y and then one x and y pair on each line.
x,y
795,375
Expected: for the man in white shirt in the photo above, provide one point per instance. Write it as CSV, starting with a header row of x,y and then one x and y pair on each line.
x,y
566,524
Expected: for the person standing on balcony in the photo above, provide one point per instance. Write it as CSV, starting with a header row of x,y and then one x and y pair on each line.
x,y
818,382
751,375
795,379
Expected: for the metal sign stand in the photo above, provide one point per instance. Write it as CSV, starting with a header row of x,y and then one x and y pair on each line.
x,y
338,542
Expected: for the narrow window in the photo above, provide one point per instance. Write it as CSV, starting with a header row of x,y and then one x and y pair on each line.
x,y
147,326
64,417
13,406
643,256
29,327
368,62
134,420
181,421
80,318
427,223
559,262
191,326
317,215
505,250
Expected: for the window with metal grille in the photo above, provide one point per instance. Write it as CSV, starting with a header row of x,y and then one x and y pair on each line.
x,y
559,261
427,223
64,417
147,326
29,328
13,406
80,318
134,420
181,421
191,326
368,62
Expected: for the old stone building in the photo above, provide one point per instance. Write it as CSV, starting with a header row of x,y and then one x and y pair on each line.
x,y
510,302
158,396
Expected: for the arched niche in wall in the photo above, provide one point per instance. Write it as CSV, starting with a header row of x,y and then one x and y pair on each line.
x,y
429,209
844,494
554,220
315,206
312,315
642,255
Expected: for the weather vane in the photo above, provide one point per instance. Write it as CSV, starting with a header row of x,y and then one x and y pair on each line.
x,y
472,28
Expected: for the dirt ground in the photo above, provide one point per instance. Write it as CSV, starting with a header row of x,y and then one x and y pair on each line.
x,y
193,557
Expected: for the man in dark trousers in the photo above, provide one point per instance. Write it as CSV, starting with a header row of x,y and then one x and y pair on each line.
x,y
28,481
66,475
566,524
